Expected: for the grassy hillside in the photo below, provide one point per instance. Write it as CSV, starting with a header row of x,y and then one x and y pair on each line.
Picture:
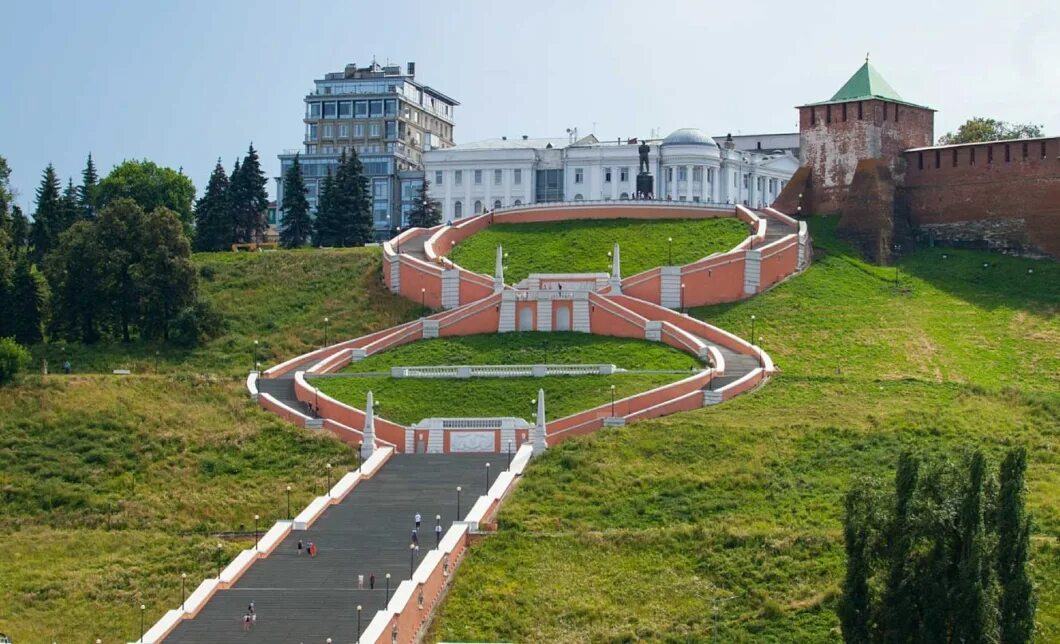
x,y
582,246
111,487
726,521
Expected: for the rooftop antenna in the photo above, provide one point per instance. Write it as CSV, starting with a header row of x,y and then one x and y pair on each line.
x,y
866,57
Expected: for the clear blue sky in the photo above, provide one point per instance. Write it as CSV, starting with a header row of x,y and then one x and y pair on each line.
x,y
184,82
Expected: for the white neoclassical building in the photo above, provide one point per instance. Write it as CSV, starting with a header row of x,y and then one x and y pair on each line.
x,y
687,165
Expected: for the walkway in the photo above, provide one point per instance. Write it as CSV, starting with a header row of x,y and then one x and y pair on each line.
x,y
299,599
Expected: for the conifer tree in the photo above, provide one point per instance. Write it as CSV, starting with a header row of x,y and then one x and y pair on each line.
x,y
19,228
213,213
29,301
71,204
297,224
1016,604
352,202
250,199
87,191
47,220
235,194
425,212
325,227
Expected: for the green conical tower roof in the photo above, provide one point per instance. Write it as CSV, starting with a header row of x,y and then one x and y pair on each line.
x,y
864,84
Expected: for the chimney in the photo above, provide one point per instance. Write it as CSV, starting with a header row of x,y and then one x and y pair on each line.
x,y
412,69
525,137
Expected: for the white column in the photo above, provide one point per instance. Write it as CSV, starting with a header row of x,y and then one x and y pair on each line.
x,y
498,279
508,186
538,438
616,273
468,178
688,183
368,439
704,190
615,174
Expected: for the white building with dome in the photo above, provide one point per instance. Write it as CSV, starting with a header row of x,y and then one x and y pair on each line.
x,y
688,165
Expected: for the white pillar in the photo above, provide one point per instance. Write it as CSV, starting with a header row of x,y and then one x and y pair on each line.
x,y
538,439
704,191
368,439
498,271
688,183
616,273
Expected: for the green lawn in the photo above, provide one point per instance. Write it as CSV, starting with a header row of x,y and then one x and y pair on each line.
x,y
582,246
409,400
111,487
529,347
728,518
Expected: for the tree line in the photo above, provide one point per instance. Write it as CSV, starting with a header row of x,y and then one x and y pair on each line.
x,y
941,558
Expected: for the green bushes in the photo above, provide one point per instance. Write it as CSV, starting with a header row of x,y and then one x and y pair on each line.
x,y
13,359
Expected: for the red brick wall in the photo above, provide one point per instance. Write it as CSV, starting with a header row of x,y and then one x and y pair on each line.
x,y
988,201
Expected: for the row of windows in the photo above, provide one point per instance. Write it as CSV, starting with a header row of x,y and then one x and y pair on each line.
x,y
458,207
682,173
846,113
328,131
1026,150
498,177
351,109
623,174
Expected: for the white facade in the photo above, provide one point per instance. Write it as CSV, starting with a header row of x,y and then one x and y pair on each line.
x,y
687,166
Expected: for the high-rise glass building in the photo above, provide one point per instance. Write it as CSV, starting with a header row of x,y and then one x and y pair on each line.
x,y
388,118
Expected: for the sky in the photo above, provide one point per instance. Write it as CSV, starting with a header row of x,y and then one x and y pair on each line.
x,y
186,82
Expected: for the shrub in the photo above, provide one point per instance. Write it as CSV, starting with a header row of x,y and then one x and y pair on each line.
x,y
196,323
13,359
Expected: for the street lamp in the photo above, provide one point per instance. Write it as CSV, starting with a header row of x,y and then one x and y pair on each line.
x,y
487,478
288,502
612,401
752,330
326,321
183,579
423,298
387,589
328,468
669,251
256,517
509,455
437,530
413,548
254,359
458,503
360,456
143,609
358,624
682,297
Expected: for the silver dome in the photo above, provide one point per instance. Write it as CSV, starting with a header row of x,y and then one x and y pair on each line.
x,y
689,136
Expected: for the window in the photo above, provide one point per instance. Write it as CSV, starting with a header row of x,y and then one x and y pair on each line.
x,y
861,111
374,130
844,118
919,160
345,109
358,130
360,109
438,177
697,173
311,135
518,202
344,131
682,173
607,175
375,108
623,174
1026,151
813,116
989,154
496,204
624,196
517,176
458,177
478,207
1008,153
1043,149
579,175
458,210
391,107
391,129
885,111
478,177
669,174
329,131
329,109
955,157
497,176
827,113
938,158
971,156
314,110
896,112
578,197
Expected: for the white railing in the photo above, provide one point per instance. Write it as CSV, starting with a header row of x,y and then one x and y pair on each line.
x,y
704,205
502,371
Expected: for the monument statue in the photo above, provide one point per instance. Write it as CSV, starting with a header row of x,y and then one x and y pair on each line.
x,y
643,150
645,182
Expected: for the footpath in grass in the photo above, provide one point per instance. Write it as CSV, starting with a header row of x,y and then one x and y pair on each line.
x,y
111,487
581,246
725,522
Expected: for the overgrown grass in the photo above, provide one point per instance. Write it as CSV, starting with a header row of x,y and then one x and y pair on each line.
x,y
409,400
111,487
581,246
726,520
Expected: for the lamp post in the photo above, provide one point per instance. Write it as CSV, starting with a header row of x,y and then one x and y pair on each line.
x,y
423,298
183,579
358,624
509,456
328,468
143,609
288,502
256,517
437,530
360,457
669,251
487,478
219,548
413,548
326,324
254,357
387,589
458,503
752,330
682,297
612,401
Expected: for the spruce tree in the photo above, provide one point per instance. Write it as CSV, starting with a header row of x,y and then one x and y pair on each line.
x,y
213,213
19,228
324,227
235,195
355,203
251,199
425,212
1016,604
75,270
87,192
297,224
71,205
29,301
47,220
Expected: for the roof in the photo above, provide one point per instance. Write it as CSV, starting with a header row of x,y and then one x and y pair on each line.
x,y
961,145
866,84
689,136
513,144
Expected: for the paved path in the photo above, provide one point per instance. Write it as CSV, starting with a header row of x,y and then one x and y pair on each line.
x,y
299,599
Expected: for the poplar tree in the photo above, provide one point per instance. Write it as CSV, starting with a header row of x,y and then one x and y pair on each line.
x,y
213,213
972,618
425,212
855,604
898,595
297,224
87,191
47,220
1017,602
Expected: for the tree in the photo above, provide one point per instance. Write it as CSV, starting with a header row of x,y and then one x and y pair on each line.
x,y
6,197
29,301
897,598
980,129
358,203
163,273
13,359
213,213
425,212
19,228
71,202
250,199
325,226
89,187
235,186
75,273
972,616
119,229
1017,603
48,219
855,604
297,224
151,186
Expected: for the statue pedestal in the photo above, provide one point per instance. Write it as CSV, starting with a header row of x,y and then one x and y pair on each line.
x,y
645,186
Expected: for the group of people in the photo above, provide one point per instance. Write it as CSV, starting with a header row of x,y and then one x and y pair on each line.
x,y
310,548
416,531
250,617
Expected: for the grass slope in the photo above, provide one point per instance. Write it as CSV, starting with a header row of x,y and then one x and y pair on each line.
x,y
582,246
726,521
111,486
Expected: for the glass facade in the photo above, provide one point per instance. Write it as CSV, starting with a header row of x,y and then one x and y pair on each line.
x,y
549,185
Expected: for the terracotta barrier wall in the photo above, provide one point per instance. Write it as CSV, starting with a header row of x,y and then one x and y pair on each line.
x,y
715,280
605,318
482,316
443,238
348,416
779,261
270,404
690,324
416,275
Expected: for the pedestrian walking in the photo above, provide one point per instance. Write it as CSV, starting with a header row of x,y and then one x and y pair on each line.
x,y
312,549
299,547
437,534
415,537
371,581
360,582
246,621
418,520
66,367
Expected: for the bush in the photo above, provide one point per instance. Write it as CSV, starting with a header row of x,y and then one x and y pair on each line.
x,y
13,359
196,324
